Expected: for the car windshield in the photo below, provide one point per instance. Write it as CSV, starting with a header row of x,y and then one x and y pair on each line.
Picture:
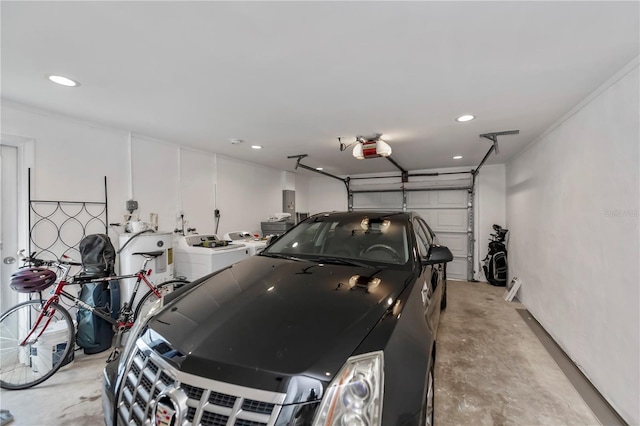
x,y
362,240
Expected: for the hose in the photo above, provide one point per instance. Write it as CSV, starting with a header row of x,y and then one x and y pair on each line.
x,y
132,237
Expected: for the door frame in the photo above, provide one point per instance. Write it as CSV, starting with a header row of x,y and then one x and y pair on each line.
x,y
26,161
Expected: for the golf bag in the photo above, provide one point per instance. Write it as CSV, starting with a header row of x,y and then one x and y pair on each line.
x,y
95,334
98,258
495,265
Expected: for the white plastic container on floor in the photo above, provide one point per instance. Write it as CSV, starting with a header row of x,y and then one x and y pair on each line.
x,y
50,347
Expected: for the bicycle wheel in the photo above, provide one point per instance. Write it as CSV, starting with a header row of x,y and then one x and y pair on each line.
x,y
150,298
48,347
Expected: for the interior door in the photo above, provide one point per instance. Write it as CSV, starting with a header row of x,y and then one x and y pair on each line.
x,y
8,223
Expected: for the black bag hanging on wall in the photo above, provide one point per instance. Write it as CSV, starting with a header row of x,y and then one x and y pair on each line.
x,y
496,268
98,256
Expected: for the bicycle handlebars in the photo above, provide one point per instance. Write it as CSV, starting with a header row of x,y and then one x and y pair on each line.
x,y
42,262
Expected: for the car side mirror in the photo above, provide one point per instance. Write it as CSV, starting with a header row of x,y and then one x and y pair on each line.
x,y
272,239
439,254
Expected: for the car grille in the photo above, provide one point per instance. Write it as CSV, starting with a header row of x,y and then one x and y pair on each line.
x,y
205,402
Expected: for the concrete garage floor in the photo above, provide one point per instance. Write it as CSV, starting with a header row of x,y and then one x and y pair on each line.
x,y
70,397
491,369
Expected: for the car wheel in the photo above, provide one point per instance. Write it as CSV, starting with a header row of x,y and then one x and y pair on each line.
x,y
430,398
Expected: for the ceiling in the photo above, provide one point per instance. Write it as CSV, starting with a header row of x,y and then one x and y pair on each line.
x,y
294,76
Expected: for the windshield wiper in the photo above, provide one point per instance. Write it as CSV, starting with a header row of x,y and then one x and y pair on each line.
x,y
280,256
340,261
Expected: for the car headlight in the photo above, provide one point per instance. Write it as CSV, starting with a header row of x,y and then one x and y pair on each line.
x,y
137,326
354,397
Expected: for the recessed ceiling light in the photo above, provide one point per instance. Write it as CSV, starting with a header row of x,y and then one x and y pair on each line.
x,y
319,168
63,81
457,157
256,146
466,117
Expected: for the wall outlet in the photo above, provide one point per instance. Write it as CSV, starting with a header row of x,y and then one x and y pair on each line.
x,y
132,205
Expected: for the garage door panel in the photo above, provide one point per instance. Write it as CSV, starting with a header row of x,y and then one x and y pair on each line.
x,y
437,199
428,215
445,211
457,243
442,220
452,198
457,269
450,220
378,200
421,199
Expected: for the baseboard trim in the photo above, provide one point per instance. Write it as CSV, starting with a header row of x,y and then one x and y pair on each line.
x,y
591,396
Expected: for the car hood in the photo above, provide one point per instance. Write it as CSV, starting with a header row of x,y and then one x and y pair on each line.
x,y
286,317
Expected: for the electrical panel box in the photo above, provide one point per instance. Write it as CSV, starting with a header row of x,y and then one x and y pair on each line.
x,y
289,202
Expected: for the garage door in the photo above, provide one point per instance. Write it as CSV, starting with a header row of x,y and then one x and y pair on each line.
x,y
446,212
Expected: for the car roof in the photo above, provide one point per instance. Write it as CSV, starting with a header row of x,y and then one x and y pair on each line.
x,y
371,214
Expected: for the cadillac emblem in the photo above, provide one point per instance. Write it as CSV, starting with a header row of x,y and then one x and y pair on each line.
x,y
165,412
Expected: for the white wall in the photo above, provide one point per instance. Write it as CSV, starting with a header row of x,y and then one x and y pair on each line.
x,y
303,196
326,194
490,209
156,180
246,195
73,156
572,208
171,180
197,189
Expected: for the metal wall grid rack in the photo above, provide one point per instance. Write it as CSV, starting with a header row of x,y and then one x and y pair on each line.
x,y
57,227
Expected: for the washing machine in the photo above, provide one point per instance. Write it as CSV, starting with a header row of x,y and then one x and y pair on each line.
x,y
199,255
162,267
256,245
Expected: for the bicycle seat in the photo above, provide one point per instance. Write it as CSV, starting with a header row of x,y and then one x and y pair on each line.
x,y
150,254
89,273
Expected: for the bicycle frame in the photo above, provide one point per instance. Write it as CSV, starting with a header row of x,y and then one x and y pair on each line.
x,y
122,323
141,275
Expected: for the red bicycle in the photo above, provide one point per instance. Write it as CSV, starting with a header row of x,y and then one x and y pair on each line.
x,y
37,337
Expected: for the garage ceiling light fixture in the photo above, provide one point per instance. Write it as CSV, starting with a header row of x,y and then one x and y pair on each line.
x,y
465,117
256,146
457,157
63,81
